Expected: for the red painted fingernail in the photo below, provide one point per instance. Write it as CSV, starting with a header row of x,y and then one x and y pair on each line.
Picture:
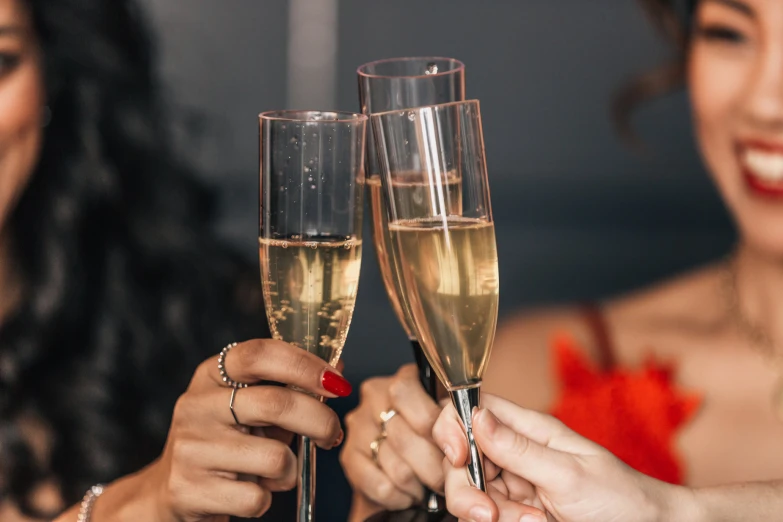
x,y
334,383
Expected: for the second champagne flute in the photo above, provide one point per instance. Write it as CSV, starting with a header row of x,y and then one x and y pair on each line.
x,y
310,239
447,258
400,83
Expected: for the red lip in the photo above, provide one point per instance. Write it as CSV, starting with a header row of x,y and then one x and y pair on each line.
x,y
768,146
760,188
756,185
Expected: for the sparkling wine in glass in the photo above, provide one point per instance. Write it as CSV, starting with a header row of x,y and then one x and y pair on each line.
x,y
447,258
310,239
399,83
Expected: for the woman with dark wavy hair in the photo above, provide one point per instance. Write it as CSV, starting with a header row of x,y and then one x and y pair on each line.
x,y
682,381
113,288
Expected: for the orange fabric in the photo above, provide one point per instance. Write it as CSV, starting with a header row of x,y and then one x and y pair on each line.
x,y
636,414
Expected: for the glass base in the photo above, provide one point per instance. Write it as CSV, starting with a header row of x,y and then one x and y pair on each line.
x,y
419,514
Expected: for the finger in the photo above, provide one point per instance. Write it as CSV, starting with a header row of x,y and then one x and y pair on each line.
x,y
421,455
541,428
266,406
510,511
275,433
463,500
374,483
272,360
517,454
409,399
398,470
374,397
520,490
219,496
449,435
239,454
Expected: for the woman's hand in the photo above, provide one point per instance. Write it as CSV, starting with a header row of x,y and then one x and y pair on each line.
x,y
408,459
212,466
545,464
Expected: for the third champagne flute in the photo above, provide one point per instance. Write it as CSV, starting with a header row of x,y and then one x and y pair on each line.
x,y
447,258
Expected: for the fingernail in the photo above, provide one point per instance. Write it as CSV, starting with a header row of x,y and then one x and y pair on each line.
x,y
334,383
449,453
485,417
339,440
480,514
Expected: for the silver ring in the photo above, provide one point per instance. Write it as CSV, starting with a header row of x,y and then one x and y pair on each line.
x,y
386,416
375,447
222,369
231,404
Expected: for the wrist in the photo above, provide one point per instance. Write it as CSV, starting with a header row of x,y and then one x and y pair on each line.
x,y
679,503
132,498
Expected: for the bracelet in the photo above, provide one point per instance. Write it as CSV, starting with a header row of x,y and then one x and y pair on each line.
x,y
85,511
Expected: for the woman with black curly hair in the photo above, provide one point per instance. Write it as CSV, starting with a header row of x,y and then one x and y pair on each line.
x,y
113,289
682,381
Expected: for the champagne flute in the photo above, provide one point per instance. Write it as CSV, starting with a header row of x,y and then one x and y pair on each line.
x,y
385,85
310,239
448,258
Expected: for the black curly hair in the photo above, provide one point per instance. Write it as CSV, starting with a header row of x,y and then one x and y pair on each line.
x,y
127,288
672,19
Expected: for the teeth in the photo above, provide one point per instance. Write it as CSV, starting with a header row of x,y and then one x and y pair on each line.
x,y
765,165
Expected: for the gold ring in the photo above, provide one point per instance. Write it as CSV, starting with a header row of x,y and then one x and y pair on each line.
x,y
386,416
375,447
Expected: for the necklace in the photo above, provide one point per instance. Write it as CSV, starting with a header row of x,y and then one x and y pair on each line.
x,y
759,339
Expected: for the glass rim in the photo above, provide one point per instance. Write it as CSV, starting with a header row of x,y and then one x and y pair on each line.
x,y
379,115
361,69
301,116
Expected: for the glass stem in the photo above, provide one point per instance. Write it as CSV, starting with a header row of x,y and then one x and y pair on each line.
x,y
305,500
432,501
466,400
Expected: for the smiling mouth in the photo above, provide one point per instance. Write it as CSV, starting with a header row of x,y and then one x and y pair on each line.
x,y
762,168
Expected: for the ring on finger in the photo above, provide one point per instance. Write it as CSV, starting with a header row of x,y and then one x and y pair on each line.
x,y
375,447
386,416
231,404
222,368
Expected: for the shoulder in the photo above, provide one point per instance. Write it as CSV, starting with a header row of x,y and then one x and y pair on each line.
x,y
520,367
653,319
659,318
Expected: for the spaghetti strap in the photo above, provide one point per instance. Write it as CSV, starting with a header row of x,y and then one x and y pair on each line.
x,y
596,322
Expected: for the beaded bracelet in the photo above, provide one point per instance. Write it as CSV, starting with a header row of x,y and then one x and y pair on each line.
x,y
85,511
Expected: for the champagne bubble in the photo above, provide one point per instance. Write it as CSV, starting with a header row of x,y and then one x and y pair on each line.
x,y
412,116
432,68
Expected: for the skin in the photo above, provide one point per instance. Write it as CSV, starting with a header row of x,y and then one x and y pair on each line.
x,y
21,104
196,476
540,467
735,83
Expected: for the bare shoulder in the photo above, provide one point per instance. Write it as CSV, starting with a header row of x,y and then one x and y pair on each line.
x,y
657,318
520,368
683,307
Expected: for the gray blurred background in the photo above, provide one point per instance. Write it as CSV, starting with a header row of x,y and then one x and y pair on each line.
x,y
578,215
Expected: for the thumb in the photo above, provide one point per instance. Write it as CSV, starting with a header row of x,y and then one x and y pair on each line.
x,y
517,454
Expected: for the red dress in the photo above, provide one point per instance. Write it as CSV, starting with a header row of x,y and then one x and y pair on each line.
x,y
634,413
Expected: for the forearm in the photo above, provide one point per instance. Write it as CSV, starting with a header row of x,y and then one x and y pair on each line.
x,y
128,499
749,501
